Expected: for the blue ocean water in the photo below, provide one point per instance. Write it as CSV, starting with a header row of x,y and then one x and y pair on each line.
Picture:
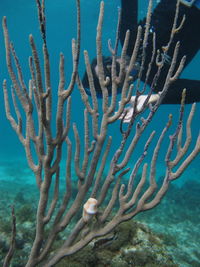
x,y
61,28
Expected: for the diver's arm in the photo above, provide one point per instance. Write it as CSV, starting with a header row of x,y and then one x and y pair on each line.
x,y
174,93
173,96
129,18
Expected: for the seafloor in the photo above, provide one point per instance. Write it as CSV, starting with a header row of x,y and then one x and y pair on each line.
x,y
167,236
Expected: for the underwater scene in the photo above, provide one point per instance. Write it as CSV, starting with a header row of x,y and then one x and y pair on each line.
x,y
168,234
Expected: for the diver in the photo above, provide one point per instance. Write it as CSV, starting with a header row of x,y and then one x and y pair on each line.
x,y
161,24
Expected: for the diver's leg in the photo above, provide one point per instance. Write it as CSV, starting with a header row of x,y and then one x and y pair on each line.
x,y
190,3
129,16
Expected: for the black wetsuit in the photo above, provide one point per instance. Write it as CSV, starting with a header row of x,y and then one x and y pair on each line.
x,y
161,24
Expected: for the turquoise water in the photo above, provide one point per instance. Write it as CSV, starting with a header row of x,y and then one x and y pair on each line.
x,y
61,28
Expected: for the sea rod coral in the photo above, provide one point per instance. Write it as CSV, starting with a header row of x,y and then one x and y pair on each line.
x,y
110,189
